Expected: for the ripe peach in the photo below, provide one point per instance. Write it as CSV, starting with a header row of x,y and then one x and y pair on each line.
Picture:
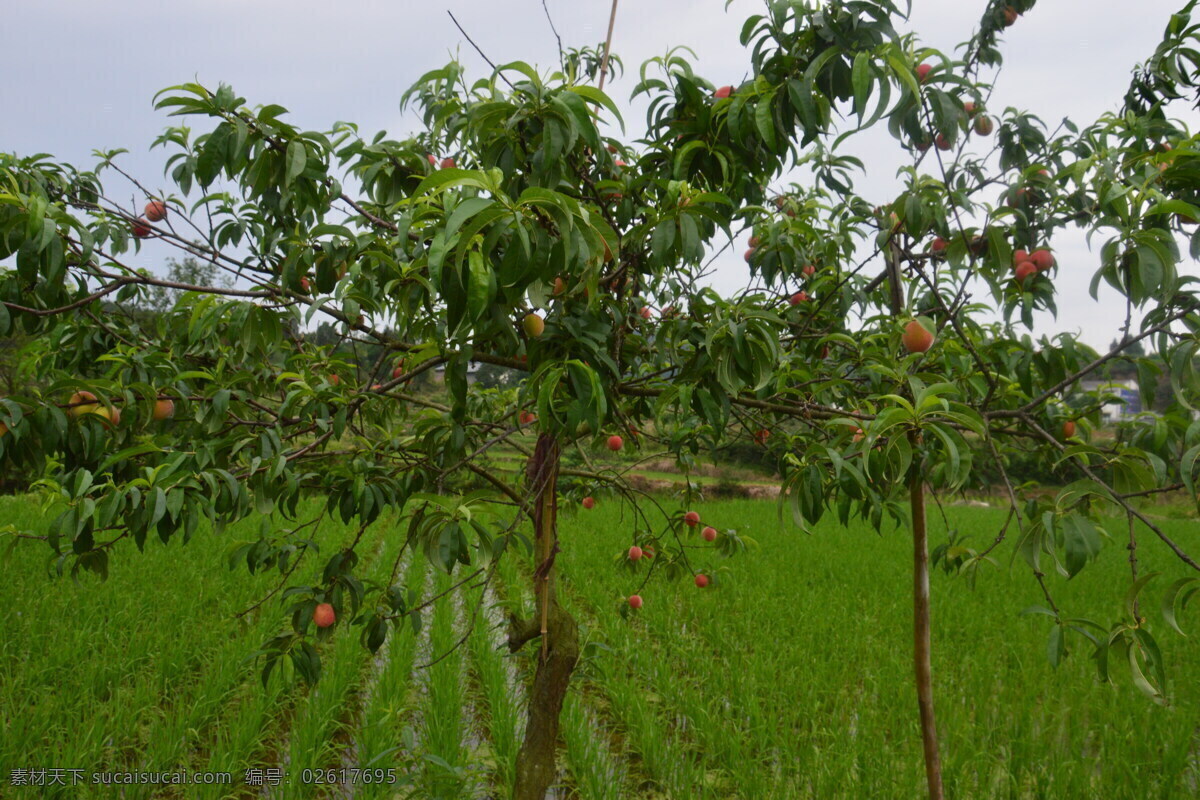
x,y
923,71
798,298
1042,259
164,408
701,581
615,443
635,553
155,210
1068,429
808,270
140,229
723,92
938,248
110,414
323,615
534,325
645,312
448,163
749,255
916,338
709,533
1024,270
589,502
942,142
984,125
635,601
82,403
691,519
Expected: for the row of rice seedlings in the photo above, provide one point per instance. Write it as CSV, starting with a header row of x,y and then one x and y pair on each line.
x,y
796,675
255,721
325,715
231,695
379,741
498,692
445,772
724,684
651,731
596,772
469,616
103,664
591,768
715,745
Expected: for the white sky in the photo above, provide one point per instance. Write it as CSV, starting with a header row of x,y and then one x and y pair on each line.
x,y
80,75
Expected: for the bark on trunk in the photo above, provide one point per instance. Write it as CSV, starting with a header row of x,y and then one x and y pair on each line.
x,y
536,761
537,758
922,646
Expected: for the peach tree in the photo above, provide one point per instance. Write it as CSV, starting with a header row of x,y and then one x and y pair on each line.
x,y
880,350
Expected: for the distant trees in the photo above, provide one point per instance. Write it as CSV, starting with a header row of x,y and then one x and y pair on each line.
x,y
189,271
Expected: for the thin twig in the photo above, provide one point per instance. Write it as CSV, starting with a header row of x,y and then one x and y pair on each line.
x,y
483,55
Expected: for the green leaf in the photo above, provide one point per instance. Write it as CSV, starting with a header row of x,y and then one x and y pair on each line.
x,y
297,159
1056,647
600,98
860,77
1081,540
1169,601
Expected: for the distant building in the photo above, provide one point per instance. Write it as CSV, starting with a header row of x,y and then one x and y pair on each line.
x,y
1126,401
472,372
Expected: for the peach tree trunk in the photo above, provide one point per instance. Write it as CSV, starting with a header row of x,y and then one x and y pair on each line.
x,y
922,639
559,647
922,646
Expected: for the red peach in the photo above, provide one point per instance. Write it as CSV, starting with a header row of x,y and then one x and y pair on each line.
x,y
323,615
1042,259
916,338
1024,270
156,210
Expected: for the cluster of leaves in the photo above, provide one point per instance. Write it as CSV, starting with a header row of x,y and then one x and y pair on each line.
x,y
514,202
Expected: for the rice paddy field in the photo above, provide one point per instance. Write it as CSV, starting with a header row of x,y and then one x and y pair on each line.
x,y
787,678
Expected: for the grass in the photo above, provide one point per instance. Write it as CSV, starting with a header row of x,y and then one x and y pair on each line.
x,y
793,678
790,677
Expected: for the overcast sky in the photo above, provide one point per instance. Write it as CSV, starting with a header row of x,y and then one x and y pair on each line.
x,y
80,75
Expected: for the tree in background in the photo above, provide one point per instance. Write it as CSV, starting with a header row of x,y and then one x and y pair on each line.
x,y
514,232
182,275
